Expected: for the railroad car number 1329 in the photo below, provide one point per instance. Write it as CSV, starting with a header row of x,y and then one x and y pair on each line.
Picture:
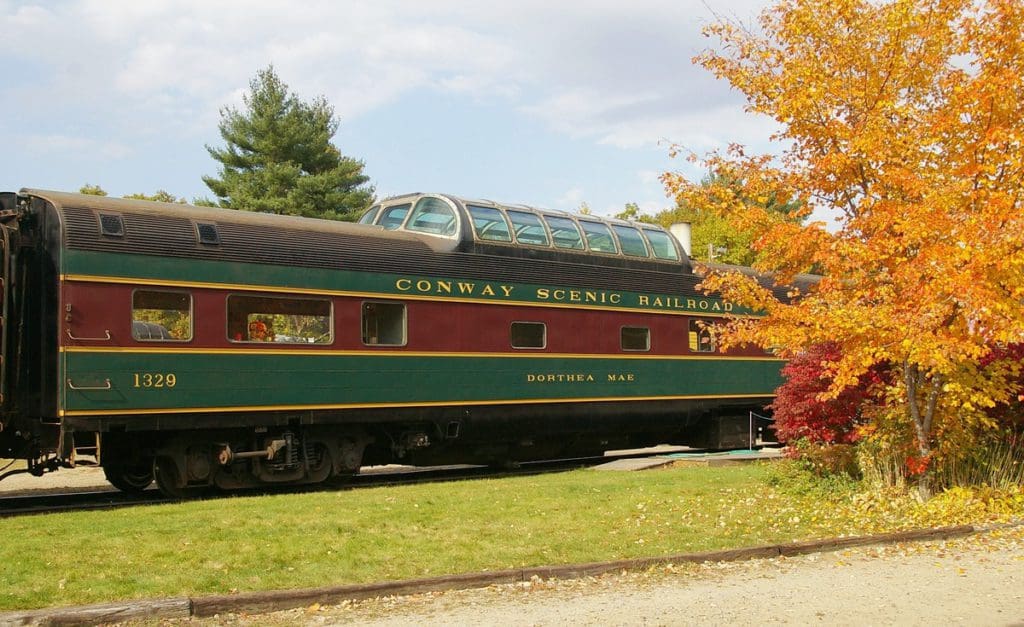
x,y
155,380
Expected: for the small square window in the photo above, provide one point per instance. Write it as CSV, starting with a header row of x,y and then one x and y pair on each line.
x,y
111,225
635,339
161,316
207,233
384,324
702,338
529,335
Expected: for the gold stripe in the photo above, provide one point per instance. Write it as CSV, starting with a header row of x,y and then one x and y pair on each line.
x,y
533,401
389,295
394,353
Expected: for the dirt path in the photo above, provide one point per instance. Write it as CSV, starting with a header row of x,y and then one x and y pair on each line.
x,y
971,581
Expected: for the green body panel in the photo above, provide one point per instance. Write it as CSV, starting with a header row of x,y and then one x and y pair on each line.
x,y
206,380
234,275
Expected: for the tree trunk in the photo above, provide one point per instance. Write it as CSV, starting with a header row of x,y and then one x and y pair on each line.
x,y
922,413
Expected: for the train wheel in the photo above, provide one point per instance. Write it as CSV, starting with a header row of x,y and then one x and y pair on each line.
x,y
165,472
131,478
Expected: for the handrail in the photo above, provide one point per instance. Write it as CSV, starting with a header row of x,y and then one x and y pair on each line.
x,y
106,386
106,332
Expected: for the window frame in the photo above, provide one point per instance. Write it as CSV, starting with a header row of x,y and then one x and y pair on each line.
x,y
378,220
579,232
622,249
406,224
257,295
543,226
544,335
647,336
654,251
695,328
191,316
390,303
611,236
476,234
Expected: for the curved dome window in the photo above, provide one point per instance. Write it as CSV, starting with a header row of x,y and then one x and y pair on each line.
x,y
433,216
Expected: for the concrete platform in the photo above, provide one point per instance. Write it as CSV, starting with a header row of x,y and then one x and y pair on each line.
x,y
727,458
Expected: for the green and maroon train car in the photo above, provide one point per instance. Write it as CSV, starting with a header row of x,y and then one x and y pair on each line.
x,y
227,348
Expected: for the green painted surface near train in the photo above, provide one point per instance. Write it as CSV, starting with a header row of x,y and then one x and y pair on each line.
x,y
89,265
123,381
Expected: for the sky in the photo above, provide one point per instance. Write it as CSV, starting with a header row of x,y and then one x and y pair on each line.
x,y
551,104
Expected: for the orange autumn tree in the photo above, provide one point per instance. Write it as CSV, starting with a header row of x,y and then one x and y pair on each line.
x,y
905,120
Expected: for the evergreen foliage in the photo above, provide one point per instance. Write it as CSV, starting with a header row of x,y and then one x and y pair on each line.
x,y
279,157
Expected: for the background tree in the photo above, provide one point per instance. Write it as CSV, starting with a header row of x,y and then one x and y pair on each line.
x,y
905,119
713,236
92,190
279,157
158,196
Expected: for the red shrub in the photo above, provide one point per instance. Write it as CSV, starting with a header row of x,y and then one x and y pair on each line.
x,y
799,413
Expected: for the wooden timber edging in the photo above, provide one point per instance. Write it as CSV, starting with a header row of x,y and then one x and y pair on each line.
x,y
275,600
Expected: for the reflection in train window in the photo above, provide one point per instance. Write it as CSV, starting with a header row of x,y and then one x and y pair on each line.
x,y
528,335
631,240
384,324
702,337
434,216
279,320
564,233
161,316
528,228
489,224
369,216
635,339
599,238
661,244
392,217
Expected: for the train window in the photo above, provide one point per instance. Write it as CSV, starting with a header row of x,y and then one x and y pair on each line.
x,y
161,316
631,241
702,337
279,320
599,237
564,233
369,216
635,339
434,216
661,244
528,335
384,324
528,228
392,217
489,224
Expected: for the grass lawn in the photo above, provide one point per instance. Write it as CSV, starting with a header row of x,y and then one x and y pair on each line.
x,y
368,535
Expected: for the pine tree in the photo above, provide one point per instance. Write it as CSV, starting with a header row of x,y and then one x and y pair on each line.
x,y
279,157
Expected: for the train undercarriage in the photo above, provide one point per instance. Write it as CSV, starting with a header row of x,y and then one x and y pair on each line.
x,y
288,450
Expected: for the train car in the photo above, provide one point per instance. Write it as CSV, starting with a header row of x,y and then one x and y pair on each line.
x,y
209,347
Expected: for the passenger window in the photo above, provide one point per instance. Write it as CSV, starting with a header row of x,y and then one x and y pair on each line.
x,y
564,233
661,244
433,216
161,316
528,228
392,217
631,241
489,224
279,320
369,216
635,339
599,238
384,324
702,338
529,335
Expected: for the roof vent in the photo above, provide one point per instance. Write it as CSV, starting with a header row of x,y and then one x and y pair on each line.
x,y
111,225
208,233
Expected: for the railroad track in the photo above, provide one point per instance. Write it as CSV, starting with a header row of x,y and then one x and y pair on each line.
x,y
25,504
